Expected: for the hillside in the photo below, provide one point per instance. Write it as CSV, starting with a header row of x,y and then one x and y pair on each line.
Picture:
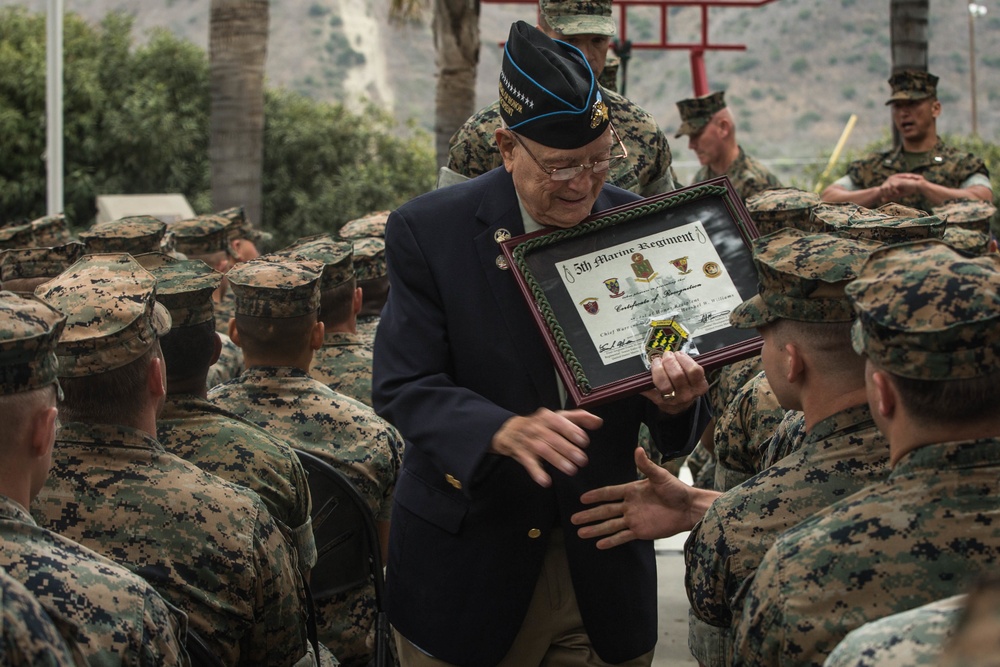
x,y
808,65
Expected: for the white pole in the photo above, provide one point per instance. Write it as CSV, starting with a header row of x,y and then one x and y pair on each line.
x,y
54,107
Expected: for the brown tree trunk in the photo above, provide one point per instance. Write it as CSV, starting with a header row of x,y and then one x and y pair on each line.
x,y
456,41
237,44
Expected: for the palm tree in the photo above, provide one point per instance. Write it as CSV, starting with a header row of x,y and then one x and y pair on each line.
x,y
237,53
908,29
456,40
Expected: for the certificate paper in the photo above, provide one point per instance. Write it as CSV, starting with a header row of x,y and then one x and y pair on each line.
x,y
620,289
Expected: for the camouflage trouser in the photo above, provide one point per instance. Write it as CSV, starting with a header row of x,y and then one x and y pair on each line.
x,y
701,463
710,645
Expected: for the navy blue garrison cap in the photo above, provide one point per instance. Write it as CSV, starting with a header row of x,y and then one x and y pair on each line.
x,y
548,92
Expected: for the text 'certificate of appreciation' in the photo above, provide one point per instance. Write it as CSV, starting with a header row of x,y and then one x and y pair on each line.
x,y
619,289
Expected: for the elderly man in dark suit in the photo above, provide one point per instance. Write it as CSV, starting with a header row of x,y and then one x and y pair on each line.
x,y
485,567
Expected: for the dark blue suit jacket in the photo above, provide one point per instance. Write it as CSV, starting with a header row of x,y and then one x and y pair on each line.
x,y
457,354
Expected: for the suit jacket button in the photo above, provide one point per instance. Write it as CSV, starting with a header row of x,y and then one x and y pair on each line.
x,y
534,533
454,482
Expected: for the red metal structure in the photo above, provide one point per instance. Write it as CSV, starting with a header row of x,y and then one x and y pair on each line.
x,y
697,49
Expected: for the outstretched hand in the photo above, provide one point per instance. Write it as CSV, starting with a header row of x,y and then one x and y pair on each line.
x,y
659,506
556,437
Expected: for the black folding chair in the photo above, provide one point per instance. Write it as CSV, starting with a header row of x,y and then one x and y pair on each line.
x,y
347,543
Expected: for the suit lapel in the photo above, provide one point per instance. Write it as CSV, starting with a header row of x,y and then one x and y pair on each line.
x,y
500,212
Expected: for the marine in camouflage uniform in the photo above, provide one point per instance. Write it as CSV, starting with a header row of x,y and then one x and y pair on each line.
x,y
23,269
344,362
113,616
135,235
307,414
213,439
209,547
802,278
743,430
373,279
712,135
875,179
913,638
28,636
927,314
647,170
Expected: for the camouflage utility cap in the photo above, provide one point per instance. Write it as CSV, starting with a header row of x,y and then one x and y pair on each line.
x,y
969,213
912,85
928,312
243,228
579,17
185,288
29,331
337,257
50,230
369,258
548,92
698,111
203,235
776,209
277,289
17,236
134,235
802,277
29,263
889,224
372,224
112,317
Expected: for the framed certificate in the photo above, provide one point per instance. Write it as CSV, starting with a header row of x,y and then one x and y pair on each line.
x,y
660,273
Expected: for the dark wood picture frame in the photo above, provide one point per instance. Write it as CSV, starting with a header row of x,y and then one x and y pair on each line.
x,y
590,378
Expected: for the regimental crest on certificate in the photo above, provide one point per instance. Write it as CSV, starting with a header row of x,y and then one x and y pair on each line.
x,y
622,288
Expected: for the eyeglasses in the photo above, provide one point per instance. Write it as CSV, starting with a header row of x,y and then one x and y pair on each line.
x,y
566,173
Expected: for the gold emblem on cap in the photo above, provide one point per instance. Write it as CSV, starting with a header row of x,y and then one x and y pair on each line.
x,y
502,263
501,235
600,114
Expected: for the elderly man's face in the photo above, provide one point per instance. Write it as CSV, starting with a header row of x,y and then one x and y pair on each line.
x,y
554,203
707,144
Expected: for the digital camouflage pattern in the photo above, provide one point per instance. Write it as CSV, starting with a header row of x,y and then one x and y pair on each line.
x,y
43,262
277,289
943,165
227,446
29,333
243,227
969,224
372,224
112,317
27,635
789,435
802,277
369,258
646,171
976,641
888,230
135,235
185,288
701,463
913,638
779,208
579,17
840,455
367,326
922,535
335,256
911,84
747,175
743,430
229,365
225,310
50,230
17,236
928,312
696,112
344,364
307,414
209,547
114,616
204,235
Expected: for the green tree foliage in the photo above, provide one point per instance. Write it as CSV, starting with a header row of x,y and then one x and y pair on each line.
x,y
136,121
